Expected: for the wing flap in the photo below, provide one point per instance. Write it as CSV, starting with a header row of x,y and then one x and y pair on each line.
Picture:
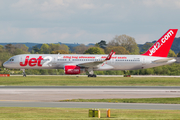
x,y
91,64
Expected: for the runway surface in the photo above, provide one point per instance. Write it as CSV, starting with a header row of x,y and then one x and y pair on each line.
x,y
48,96
55,93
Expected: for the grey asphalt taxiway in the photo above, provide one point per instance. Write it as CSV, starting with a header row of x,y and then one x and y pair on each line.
x,y
91,105
48,96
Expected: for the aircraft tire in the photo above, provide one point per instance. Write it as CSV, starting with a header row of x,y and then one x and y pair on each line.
x,y
91,75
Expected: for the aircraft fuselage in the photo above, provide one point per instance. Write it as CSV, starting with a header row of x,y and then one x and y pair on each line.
x,y
51,61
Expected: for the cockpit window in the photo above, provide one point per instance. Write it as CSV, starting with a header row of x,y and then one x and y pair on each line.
x,y
11,59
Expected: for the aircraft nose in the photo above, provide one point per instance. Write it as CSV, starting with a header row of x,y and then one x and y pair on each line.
x,y
5,64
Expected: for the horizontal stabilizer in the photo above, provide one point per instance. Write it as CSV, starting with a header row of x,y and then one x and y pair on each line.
x,y
163,60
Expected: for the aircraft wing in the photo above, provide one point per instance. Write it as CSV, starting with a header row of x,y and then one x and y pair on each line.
x,y
96,63
163,60
91,64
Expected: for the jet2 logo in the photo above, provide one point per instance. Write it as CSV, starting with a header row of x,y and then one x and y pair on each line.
x,y
161,42
36,61
156,47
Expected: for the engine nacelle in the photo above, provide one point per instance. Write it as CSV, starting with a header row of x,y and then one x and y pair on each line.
x,y
73,69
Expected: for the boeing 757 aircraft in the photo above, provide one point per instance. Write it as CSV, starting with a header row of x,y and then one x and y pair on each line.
x,y
79,63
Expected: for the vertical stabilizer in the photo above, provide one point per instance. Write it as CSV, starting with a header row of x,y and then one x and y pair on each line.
x,y
162,46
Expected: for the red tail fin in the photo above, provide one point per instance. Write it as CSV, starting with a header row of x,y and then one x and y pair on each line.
x,y
162,46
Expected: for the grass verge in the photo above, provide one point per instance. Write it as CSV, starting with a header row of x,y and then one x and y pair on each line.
x,y
80,113
85,81
137,100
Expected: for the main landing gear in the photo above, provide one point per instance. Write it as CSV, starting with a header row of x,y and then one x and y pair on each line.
x,y
91,73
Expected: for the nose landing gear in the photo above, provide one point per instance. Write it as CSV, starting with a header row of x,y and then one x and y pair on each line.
x,y
24,74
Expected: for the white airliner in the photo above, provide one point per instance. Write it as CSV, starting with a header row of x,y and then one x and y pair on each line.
x,y
79,63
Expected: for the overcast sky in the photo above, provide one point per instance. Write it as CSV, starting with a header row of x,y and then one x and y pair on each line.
x,y
86,21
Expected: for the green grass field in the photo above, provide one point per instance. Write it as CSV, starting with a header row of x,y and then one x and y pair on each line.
x,y
85,81
15,113
137,100
21,113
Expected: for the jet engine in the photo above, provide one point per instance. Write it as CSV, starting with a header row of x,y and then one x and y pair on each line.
x,y
73,69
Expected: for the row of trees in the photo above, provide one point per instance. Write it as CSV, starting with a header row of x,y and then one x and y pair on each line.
x,y
51,49
122,44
